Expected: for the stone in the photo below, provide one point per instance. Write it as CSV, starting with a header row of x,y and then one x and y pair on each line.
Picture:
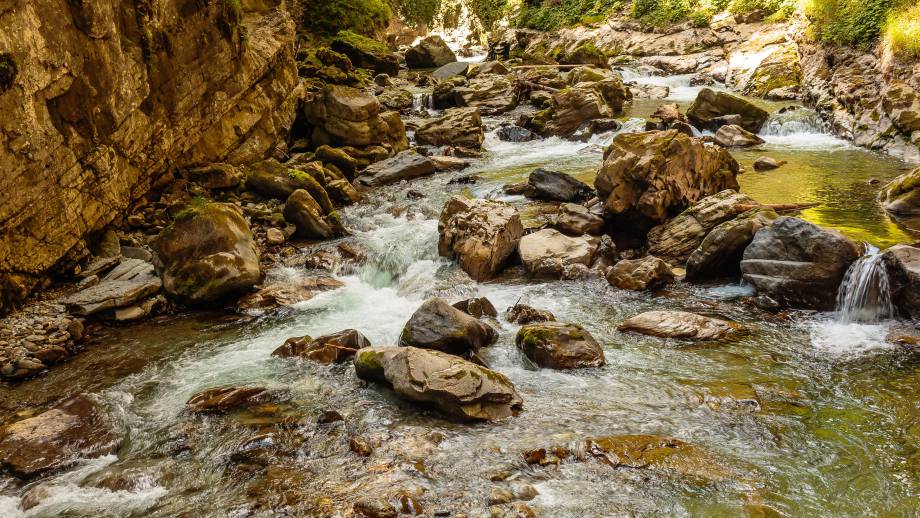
x,y
275,180
456,387
346,116
901,196
446,71
779,69
477,307
524,314
311,221
709,105
678,324
557,345
548,251
77,428
515,134
492,94
456,127
640,91
731,135
216,176
798,263
132,280
766,163
647,178
287,293
439,326
556,186
571,107
394,98
431,52
274,236
902,104
370,507
903,265
577,220
720,252
487,67
223,399
347,164
406,165
207,254
647,273
366,53
481,234
334,348
343,192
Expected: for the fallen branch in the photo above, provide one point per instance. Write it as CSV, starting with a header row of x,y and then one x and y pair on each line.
x,y
778,207
530,85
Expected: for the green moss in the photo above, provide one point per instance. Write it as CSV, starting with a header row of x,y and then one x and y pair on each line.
x,y
489,12
532,336
416,12
363,43
195,207
304,180
661,12
8,72
328,17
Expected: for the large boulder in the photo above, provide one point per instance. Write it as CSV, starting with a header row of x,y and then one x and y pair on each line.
x,y
557,345
128,283
309,218
549,252
798,263
481,234
719,254
646,273
274,180
454,386
647,178
903,265
492,94
333,348
77,428
705,111
456,127
347,116
431,52
779,70
403,166
678,324
577,220
556,186
207,254
367,53
675,240
576,105
902,195
438,325
732,135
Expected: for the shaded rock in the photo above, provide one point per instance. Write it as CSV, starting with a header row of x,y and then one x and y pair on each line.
x,y
477,307
557,345
404,166
309,218
275,180
222,399
454,386
366,53
709,105
649,177
438,325
556,186
456,68
719,254
208,253
287,293
347,164
678,324
343,192
903,265
524,314
766,163
515,134
549,252
481,234
646,273
430,52
732,135
456,127
487,67
129,282
798,263
374,507
398,99
77,428
577,220
334,348
216,176
902,195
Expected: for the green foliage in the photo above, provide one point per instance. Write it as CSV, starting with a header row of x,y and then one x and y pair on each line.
x,y
661,12
8,72
780,8
365,44
903,31
489,12
328,17
553,14
420,12
849,22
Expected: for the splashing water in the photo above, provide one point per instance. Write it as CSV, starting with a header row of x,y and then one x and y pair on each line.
x,y
864,294
422,101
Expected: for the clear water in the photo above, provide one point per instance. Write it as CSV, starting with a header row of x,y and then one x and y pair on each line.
x,y
836,433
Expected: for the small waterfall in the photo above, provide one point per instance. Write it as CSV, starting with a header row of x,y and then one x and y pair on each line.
x,y
864,295
793,122
422,101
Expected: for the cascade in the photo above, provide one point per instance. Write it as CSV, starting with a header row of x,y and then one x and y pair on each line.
x,y
864,294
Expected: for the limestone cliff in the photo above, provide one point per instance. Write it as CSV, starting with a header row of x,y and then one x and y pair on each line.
x,y
99,99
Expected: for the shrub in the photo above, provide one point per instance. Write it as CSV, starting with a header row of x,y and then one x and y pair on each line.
x,y
328,17
420,12
553,14
661,12
489,12
902,31
848,22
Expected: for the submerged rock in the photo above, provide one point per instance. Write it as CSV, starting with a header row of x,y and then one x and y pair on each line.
x,y
77,428
903,265
334,348
481,234
550,252
556,186
430,52
766,163
902,195
524,314
678,324
705,111
438,325
222,399
646,273
720,253
731,135
557,345
456,127
456,387
287,293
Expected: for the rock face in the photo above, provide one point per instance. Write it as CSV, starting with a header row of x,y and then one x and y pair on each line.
x,y
650,177
731,135
129,282
207,254
902,195
457,127
780,70
404,166
87,137
549,252
720,252
647,273
346,116
678,324
456,387
335,348
903,265
481,234
556,186
76,428
431,52
438,325
709,106
798,263
556,345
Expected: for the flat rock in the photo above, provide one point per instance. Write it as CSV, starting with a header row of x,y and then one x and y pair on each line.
x,y
129,282
678,324
646,273
403,166
549,252
287,293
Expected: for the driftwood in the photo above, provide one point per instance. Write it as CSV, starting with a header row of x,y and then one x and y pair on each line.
x,y
778,207
530,85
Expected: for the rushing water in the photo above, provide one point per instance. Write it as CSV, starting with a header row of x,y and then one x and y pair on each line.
x,y
865,294
834,432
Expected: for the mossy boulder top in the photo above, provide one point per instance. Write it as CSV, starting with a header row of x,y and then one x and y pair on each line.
x,y
365,52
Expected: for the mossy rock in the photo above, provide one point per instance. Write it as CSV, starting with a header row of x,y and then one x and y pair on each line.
x,y
366,52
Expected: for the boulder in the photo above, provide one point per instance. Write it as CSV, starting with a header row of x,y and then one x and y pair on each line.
x,y
903,265
456,127
646,273
902,195
456,387
798,263
223,399
366,53
577,220
338,157
647,178
477,307
309,218
557,345
492,94
675,240
571,107
346,116
548,252
456,68
515,134
780,69
524,314
207,254
77,428
215,176
766,163
556,186
487,67
710,105
129,282
274,180
438,325
732,135
720,252
394,98
334,348
481,234
403,166
343,192
678,324
287,293
430,52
